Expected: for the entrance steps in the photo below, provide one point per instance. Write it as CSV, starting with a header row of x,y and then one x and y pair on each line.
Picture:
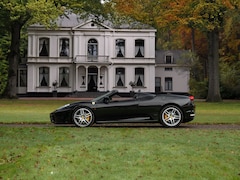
x,y
85,94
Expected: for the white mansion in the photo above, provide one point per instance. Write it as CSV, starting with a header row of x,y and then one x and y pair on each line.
x,y
82,56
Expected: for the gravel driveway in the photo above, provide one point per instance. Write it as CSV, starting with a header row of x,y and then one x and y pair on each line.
x,y
131,125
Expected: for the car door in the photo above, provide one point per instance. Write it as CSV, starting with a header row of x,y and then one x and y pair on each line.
x,y
116,110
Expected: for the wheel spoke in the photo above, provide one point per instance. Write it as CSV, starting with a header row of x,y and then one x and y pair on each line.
x,y
171,116
83,117
173,111
82,112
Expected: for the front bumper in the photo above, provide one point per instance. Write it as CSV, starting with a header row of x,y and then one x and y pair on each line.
x,y
60,117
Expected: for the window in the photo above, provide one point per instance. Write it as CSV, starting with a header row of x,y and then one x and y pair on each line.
x,y
44,47
139,76
168,69
120,76
169,59
44,76
157,84
64,47
92,47
64,77
120,48
139,48
22,78
168,84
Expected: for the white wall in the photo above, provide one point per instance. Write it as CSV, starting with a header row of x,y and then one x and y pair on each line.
x,y
78,39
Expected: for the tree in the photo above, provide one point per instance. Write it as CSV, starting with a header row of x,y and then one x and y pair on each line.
x,y
3,72
15,14
4,44
209,17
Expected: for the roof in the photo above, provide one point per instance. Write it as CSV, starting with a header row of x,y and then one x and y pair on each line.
x,y
178,56
72,20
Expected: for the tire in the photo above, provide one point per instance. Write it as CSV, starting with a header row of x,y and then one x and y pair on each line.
x,y
171,116
83,117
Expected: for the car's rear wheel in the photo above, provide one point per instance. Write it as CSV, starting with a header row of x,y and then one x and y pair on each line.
x,y
171,116
83,117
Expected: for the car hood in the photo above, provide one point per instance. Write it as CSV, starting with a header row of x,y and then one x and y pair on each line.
x,y
71,105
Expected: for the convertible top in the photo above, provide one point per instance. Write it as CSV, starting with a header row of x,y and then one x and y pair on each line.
x,y
144,96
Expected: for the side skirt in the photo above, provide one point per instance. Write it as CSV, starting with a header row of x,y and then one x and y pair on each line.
x,y
130,120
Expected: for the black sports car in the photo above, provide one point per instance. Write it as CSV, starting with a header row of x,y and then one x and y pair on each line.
x,y
169,109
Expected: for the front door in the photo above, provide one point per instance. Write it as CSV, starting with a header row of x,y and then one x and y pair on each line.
x,y
92,79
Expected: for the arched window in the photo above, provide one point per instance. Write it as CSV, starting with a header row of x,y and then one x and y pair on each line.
x,y
44,76
139,76
64,77
120,48
120,77
93,48
44,47
139,48
64,47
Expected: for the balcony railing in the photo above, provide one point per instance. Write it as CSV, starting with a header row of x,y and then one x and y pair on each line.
x,y
91,59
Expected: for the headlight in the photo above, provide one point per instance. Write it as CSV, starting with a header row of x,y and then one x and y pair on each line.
x,y
66,105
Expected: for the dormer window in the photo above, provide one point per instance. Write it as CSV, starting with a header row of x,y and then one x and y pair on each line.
x,y
169,59
120,48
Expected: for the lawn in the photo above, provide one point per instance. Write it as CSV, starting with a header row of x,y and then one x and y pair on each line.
x,y
118,153
48,152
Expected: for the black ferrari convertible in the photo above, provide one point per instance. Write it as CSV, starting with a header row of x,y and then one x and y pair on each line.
x,y
168,109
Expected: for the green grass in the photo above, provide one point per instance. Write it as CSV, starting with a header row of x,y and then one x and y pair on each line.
x,y
37,111
28,111
118,153
223,112
50,152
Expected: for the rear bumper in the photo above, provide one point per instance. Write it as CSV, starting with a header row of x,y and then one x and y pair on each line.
x,y
189,114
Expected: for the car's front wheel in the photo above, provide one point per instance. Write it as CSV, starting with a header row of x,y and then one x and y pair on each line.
x,y
171,116
83,117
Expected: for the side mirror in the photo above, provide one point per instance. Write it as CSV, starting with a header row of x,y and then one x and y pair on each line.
x,y
106,100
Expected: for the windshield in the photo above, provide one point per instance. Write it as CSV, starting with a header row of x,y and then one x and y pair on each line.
x,y
108,94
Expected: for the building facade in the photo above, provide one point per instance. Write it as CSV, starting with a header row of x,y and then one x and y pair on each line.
x,y
82,56
172,72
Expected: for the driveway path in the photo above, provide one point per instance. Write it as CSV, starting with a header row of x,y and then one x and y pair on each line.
x,y
131,125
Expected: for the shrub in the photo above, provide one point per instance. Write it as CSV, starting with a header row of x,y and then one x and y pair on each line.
x,y
198,88
3,72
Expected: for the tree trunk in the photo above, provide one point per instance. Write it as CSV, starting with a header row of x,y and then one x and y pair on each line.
x,y
13,57
193,39
213,67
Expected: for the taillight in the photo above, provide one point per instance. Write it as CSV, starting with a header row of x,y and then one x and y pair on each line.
x,y
191,98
